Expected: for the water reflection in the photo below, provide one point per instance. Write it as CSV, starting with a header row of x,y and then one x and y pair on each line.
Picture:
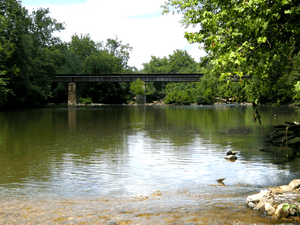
x,y
72,117
134,150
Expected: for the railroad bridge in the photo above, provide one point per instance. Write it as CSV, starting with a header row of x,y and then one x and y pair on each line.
x,y
73,79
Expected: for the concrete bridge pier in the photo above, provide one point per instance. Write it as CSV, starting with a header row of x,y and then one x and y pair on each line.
x,y
73,94
141,99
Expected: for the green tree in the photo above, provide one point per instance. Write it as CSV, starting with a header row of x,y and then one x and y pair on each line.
x,y
138,87
156,65
117,49
108,93
83,45
180,93
207,90
6,50
83,55
248,37
102,62
33,59
176,93
181,62
178,62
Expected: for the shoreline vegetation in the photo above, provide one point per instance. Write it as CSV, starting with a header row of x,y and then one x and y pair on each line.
x,y
32,56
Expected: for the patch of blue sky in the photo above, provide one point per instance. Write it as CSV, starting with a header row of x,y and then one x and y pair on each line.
x,y
145,16
189,47
51,2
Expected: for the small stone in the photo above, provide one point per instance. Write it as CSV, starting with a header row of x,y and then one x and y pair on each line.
x,y
112,223
286,188
221,179
157,193
298,207
257,197
276,190
269,209
231,158
261,205
231,153
251,204
279,212
295,184
293,212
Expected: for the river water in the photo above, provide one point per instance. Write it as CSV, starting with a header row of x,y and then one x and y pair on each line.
x,y
138,164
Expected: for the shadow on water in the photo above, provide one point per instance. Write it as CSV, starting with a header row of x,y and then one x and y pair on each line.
x,y
137,164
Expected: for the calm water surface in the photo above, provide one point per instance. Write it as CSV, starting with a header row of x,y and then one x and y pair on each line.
x,y
137,164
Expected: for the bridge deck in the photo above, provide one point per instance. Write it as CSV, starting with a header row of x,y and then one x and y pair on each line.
x,y
162,77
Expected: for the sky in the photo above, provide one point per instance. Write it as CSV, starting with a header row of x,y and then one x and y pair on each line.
x,y
139,23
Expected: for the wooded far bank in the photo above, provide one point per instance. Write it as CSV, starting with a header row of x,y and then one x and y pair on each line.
x,y
263,45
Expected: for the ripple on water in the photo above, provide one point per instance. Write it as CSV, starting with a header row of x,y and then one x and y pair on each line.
x,y
134,165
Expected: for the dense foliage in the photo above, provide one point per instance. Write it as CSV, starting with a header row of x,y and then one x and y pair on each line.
x,y
179,62
138,87
207,91
83,55
247,37
31,56
27,59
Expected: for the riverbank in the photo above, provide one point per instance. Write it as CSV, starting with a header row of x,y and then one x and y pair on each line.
x,y
160,207
152,103
278,202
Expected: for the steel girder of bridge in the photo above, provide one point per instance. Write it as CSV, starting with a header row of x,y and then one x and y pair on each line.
x,y
162,77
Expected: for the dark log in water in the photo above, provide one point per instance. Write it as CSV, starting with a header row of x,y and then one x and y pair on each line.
x,y
282,135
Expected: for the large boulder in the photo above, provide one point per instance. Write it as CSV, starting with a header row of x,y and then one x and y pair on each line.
x,y
280,212
278,202
276,190
269,209
286,188
295,184
252,200
261,206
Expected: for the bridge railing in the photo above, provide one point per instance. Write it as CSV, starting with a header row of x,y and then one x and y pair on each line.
x,y
161,77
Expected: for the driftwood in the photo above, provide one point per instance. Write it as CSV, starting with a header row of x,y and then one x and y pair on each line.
x,y
282,135
288,132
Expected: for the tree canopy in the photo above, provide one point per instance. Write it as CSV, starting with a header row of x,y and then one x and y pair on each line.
x,y
258,38
178,62
27,59
30,55
174,93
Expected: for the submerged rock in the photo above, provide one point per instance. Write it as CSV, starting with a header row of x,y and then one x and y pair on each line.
x,y
231,158
231,153
221,179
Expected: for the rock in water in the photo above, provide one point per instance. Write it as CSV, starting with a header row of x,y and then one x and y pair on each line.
x,y
231,153
231,158
221,179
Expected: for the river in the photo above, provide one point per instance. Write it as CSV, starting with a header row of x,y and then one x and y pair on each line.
x,y
138,164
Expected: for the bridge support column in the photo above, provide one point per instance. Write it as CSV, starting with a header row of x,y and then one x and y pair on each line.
x,y
141,99
72,94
